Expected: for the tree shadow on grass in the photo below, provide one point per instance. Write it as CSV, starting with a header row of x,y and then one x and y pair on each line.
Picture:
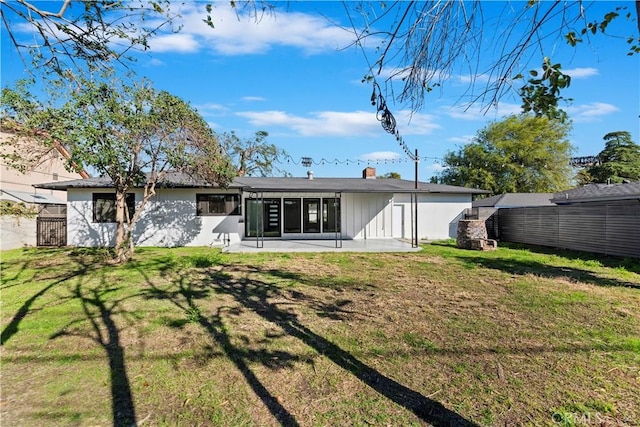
x,y
521,267
531,266
14,325
630,264
183,293
255,295
101,310
337,311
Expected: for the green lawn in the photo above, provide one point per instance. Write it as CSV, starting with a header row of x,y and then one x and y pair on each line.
x,y
191,336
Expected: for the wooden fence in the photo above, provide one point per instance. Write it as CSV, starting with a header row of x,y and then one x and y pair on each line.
x,y
610,229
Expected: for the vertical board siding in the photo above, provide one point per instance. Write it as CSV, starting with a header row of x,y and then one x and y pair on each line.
x,y
610,229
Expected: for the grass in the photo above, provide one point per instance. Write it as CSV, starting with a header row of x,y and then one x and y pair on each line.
x,y
191,336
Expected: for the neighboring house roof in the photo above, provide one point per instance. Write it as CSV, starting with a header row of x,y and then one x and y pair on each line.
x,y
23,196
352,185
515,200
598,193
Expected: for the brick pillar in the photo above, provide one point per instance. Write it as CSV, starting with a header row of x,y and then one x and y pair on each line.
x,y
470,230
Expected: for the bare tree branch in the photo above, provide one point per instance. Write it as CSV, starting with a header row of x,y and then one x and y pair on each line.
x,y
82,35
430,40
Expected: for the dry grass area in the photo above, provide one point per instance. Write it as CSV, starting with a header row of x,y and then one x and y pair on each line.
x,y
190,336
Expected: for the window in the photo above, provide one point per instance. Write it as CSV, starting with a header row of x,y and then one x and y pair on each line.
x,y
311,215
331,215
217,204
104,206
292,216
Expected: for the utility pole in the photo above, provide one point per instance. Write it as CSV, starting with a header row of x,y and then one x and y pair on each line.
x,y
416,163
415,229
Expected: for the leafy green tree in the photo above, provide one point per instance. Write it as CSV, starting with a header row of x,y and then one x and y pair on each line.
x,y
541,93
390,175
619,161
129,133
252,157
583,177
521,153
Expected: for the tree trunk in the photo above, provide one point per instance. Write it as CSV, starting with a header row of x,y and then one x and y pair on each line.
x,y
123,244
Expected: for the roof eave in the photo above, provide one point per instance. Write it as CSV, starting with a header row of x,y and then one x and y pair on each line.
x,y
562,201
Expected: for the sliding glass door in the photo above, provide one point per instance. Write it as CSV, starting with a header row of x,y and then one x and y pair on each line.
x,y
263,214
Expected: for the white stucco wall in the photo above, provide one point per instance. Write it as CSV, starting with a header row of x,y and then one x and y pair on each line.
x,y
438,214
169,219
17,232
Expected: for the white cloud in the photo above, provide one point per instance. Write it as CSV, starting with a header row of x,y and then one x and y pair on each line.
x,y
469,78
590,112
213,125
477,112
253,98
235,32
210,109
180,42
581,73
155,62
339,123
464,139
435,167
326,123
409,123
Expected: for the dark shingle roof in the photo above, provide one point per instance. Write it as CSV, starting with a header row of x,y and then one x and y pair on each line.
x,y
351,185
598,192
26,197
171,180
513,200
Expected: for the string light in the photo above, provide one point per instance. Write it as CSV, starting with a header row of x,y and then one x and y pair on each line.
x,y
308,161
383,114
387,120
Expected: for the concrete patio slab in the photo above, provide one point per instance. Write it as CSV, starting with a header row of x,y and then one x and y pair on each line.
x,y
369,245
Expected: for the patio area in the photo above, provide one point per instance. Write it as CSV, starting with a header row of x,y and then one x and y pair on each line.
x,y
368,245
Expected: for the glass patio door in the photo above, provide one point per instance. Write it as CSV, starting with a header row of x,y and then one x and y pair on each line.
x,y
263,214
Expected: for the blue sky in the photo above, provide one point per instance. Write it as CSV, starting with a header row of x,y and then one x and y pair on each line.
x,y
296,74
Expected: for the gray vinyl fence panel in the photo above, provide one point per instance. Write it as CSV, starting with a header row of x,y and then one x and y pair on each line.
x,y
610,229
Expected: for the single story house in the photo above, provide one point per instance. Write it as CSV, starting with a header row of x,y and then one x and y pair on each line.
x,y
514,200
32,199
484,208
188,213
598,193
